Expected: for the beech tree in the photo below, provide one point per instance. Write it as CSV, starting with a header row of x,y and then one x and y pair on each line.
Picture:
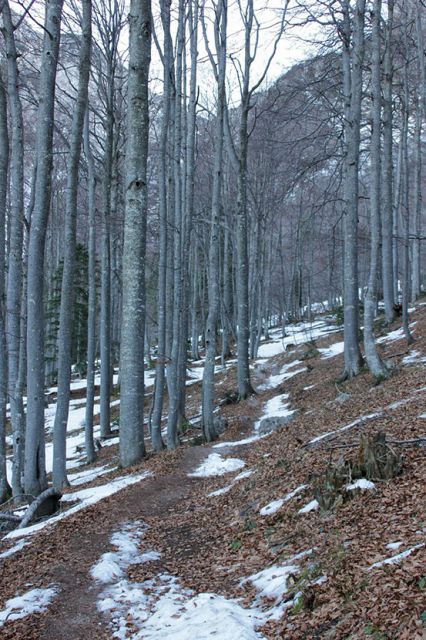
x,y
132,446
35,471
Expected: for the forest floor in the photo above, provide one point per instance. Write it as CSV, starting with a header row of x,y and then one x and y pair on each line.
x,y
237,555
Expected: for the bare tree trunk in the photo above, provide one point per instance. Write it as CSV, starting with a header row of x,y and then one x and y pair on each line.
x,y
67,289
14,275
374,361
405,200
160,367
417,218
387,211
173,366
91,311
105,320
35,471
132,446
352,56
4,166
209,430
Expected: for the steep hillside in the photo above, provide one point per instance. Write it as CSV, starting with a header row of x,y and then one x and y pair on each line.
x,y
230,541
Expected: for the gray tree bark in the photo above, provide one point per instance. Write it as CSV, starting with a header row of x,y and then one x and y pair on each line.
x,y
91,311
374,361
35,471
15,339
160,367
132,446
67,289
173,366
386,226
352,59
4,166
209,430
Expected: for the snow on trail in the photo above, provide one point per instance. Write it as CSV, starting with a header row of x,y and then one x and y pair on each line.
x,y
216,465
285,373
33,601
86,498
161,607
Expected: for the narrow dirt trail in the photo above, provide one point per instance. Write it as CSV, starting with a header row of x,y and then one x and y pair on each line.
x,y
74,545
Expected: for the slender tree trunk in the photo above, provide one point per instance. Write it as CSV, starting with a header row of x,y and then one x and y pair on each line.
x,y
65,333
132,446
35,470
160,367
405,203
91,310
417,218
374,361
386,226
173,366
209,430
352,78
4,165
105,320
14,276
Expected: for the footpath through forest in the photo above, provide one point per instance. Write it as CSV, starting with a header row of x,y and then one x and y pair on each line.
x,y
275,531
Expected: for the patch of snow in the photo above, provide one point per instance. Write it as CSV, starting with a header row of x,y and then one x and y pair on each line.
x,y
396,559
311,506
295,334
82,477
272,582
113,564
85,498
398,334
216,465
394,545
414,357
275,505
238,443
33,601
240,476
362,483
369,416
17,547
333,350
284,374
160,607
310,386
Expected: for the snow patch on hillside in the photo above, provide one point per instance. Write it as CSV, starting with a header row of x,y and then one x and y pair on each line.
x,y
33,601
84,498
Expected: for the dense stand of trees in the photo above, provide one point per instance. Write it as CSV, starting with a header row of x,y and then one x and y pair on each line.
x,y
152,213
